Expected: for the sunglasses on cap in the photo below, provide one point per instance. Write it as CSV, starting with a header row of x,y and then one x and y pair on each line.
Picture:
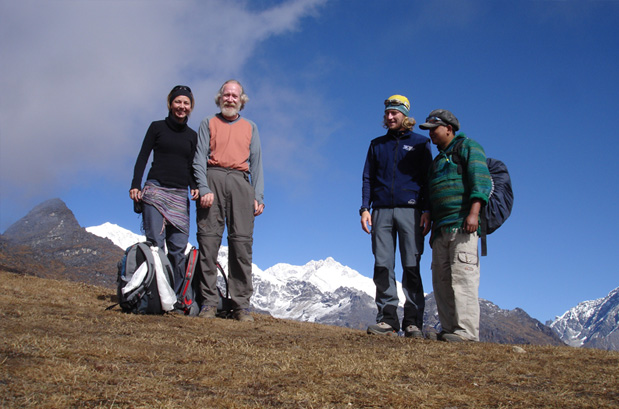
x,y
435,120
181,87
395,102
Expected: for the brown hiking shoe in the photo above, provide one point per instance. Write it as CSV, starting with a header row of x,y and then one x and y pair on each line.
x,y
208,312
243,316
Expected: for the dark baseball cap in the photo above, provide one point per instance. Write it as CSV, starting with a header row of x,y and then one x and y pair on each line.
x,y
440,117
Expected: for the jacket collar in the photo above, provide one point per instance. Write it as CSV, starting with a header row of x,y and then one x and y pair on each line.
x,y
453,142
220,116
399,134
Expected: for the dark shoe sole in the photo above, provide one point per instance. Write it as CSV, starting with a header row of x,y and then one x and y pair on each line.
x,y
432,336
452,338
210,314
379,332
243,316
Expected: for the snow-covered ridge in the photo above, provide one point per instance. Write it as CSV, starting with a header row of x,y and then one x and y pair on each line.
x,y
326,275
591,323
328,292
571,326
121,237
319,291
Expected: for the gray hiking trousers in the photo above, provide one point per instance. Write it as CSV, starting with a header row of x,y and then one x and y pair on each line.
x,y
399,225
233,208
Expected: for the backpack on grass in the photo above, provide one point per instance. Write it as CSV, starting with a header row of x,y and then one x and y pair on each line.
x,y
143,282
224,305
187,297
500,200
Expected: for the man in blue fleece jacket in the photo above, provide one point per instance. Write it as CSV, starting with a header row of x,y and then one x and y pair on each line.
x,y
395,188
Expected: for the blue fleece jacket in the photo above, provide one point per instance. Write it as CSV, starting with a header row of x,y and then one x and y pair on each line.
x,y
396,171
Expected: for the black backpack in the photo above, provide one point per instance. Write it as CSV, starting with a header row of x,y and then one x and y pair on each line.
x,y
138,288
187,296
500,200
224,306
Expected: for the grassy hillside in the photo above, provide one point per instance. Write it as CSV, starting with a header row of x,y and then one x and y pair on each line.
x,y
60,348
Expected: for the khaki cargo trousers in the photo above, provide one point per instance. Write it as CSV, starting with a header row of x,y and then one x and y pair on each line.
x,y
455,281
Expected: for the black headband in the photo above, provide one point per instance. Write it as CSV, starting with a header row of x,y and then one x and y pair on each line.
x,y
179,92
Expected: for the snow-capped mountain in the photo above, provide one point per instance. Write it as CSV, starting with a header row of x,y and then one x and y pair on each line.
x,y
328,292
49,242
123,238
327,275
321,291
593,324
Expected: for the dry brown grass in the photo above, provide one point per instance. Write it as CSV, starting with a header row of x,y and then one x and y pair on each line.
x,y
59,348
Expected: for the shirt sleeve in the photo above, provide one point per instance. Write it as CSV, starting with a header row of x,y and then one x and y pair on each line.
x,y
368,174
192,179
477,172
200,159
140,164
255,164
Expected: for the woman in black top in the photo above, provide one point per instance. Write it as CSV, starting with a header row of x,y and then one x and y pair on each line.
x,y
164,200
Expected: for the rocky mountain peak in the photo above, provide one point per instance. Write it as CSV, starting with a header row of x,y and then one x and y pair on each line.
x,y
49,241
593,323
47,224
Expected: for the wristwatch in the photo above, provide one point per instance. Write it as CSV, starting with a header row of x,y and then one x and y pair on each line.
x,y
363,209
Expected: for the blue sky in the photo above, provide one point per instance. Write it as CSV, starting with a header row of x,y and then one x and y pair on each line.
x,y
535,82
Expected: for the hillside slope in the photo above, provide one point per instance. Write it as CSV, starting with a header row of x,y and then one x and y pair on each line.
x,y
61,348
49,242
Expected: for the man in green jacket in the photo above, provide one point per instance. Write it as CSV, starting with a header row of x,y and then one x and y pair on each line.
x,y
456,198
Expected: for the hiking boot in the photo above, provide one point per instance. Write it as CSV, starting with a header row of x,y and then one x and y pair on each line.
x,y
432,335
382,328
451,337
243,316
177,311
208,312
412,331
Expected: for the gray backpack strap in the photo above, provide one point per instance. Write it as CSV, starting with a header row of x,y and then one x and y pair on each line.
x,y
127,267
150,271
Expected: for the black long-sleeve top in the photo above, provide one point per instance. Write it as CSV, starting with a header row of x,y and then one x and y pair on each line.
x,y
174,146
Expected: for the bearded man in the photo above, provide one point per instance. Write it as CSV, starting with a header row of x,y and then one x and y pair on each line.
x,y
228,171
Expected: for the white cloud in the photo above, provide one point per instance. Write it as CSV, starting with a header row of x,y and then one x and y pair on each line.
x,y
78,74
82,80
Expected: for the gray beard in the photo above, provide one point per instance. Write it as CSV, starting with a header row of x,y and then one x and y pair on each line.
x,y
229,112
